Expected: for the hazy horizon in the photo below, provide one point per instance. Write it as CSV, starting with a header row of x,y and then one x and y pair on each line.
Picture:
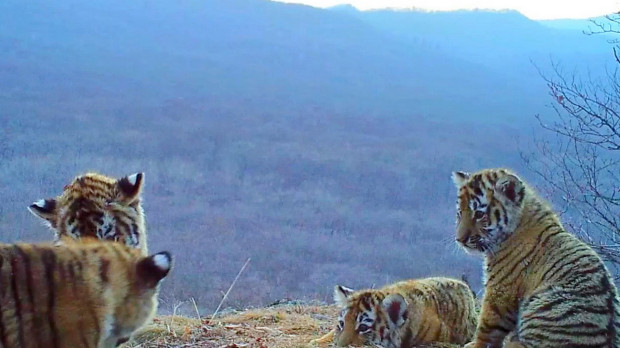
x,y
532,9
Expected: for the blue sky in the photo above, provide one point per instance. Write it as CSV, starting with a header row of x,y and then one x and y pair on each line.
x,y
534,9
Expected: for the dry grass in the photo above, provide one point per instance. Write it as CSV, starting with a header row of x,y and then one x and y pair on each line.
x,y
287,326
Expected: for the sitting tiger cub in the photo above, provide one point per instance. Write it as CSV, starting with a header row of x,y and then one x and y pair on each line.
x,y
543,285
95,205
90,294
411,313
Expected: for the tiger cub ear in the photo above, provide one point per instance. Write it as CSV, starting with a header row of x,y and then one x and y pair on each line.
x,y
152,269
511,188
396,308
460,178
341,293
44,209
130,187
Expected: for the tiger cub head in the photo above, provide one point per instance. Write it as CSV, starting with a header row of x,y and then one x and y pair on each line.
x,y
369,317
97,206
116,284
141,302
489,207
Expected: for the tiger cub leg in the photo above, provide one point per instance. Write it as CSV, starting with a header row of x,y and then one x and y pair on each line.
x,y
327,338
497,319
565,318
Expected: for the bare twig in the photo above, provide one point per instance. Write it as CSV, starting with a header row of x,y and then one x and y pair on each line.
x,y
230,288
195,307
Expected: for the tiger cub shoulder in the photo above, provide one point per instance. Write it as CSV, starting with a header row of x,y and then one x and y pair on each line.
x,y
406,314
89,294
97,206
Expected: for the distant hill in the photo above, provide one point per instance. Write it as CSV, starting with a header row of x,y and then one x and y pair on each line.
x,y
504,41
579,25
266,51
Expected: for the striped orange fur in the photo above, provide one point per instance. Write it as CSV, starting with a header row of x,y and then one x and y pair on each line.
x,y
98,206
438,312
76,295
544,286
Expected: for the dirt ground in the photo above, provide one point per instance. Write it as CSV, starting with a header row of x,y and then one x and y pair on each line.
x,y
283,326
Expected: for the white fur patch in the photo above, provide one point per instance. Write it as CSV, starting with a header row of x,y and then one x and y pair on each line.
x,y
340,295
108,325
40,203
133,179
460,178
106,229
162,261
109,322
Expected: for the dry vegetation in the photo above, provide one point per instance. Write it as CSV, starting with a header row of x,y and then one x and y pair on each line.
x,y
285,326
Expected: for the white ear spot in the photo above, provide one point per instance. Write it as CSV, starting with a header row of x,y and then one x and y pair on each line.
x,y
162,261
460,178
40,203
133,178
340,295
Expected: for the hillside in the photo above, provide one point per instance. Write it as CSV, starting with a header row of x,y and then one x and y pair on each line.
x,y
317,143
270,53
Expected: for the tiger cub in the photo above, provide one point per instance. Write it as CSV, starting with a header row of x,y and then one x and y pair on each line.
x,y
543,285
89,294
410,313
94,205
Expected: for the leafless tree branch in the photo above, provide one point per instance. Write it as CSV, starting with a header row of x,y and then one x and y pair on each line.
x,y
581,167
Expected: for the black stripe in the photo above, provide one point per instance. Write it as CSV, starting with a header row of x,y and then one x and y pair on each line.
x,y
545,339
16,299
425,328
407,340
2,291
29,287
582,276
551,249
135,234
104,267
123,229
88,299
563,261
513,261
48,257
545,214
505,213
611,329
70,269
515,264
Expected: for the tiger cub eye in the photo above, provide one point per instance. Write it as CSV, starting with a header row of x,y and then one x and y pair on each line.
x,y
479,214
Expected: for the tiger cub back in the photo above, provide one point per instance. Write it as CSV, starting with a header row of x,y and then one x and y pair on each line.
x,y
76,295
97,206
407,314
544,287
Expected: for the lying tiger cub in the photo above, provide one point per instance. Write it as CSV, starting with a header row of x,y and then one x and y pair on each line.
x,y
430,312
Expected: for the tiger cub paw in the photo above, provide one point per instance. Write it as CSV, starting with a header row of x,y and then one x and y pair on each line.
x,y
327,338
